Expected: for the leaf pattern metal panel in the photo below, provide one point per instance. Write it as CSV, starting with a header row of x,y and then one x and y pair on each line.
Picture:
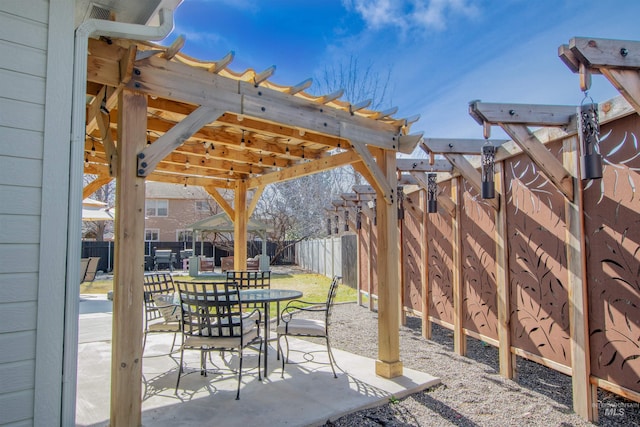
x,y
478,264
439,238
612,228
411,227
537,261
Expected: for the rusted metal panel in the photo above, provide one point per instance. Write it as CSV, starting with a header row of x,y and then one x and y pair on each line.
x,y
411,226
612,229
440,235
478,264
537,261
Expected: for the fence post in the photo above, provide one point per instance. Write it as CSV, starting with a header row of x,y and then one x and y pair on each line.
x,y
584,393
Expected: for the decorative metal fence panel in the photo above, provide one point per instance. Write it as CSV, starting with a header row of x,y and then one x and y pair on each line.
x,y
536,231
480,313
612,228
440,249
411,256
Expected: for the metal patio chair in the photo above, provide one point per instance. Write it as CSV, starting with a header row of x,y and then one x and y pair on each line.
x,y
292,324
250,280
213,320
162,315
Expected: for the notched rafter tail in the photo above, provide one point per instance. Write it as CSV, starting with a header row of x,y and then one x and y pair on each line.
x,y
222,63
264,75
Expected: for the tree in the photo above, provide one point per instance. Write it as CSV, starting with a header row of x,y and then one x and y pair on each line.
x,y
297,209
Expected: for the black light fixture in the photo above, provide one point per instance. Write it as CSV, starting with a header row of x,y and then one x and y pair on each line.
x,y
589,137
488,155
329,226
337,220
358,217
400,203
432,193
346,220
375,211
103,104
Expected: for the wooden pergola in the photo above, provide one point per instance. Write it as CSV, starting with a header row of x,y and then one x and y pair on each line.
x,y
155,114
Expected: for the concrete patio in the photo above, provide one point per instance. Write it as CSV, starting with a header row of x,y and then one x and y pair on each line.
x,y
307,395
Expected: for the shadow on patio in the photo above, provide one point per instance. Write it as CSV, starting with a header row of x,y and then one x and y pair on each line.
x,y
307,395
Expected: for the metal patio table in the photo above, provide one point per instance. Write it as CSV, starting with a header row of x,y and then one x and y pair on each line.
x,y
265,297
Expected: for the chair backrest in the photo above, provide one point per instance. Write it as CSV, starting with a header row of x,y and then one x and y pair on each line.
x,y
84,263
250,280
156,284
210,309
333,288
92,269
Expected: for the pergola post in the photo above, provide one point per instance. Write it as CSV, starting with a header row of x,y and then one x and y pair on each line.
x,y
126,356
240,226
388,364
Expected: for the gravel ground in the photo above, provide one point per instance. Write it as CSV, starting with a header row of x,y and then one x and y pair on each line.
x,y
472,392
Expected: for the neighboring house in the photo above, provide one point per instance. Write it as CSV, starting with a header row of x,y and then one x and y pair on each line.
x,y
40,201
170,208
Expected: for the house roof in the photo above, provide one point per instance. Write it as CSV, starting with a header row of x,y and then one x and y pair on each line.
x,y
162,190
222,223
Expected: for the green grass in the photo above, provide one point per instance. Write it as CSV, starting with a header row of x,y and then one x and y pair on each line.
x,y
314,287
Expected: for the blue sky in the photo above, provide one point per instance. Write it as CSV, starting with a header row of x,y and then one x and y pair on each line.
x,y
441,53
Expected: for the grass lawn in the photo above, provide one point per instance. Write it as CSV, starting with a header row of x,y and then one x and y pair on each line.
x,y
314,287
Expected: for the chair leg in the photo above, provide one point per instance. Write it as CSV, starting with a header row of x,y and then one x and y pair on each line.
x,y
179,369
331,358
260,361
281,350
173,343
240,374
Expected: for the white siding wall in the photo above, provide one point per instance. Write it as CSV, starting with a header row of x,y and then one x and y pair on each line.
x,y
29,179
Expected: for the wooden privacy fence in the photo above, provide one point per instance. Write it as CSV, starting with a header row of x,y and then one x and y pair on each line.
x,y
507,277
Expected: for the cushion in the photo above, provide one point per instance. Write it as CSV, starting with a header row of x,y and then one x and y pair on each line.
x,y
168,308
219,342
302,327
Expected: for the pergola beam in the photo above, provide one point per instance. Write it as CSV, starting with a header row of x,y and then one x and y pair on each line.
x,y
376,174
460,146
180,82
226,207
422,165
304,169
466,169
617,60
149,158
94,185
514,119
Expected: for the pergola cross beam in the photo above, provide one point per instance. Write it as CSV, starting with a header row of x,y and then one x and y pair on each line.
x,y
174,137
515,119
465,168
617,60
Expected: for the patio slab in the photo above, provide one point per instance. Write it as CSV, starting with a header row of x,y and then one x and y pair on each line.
x,y
307,395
